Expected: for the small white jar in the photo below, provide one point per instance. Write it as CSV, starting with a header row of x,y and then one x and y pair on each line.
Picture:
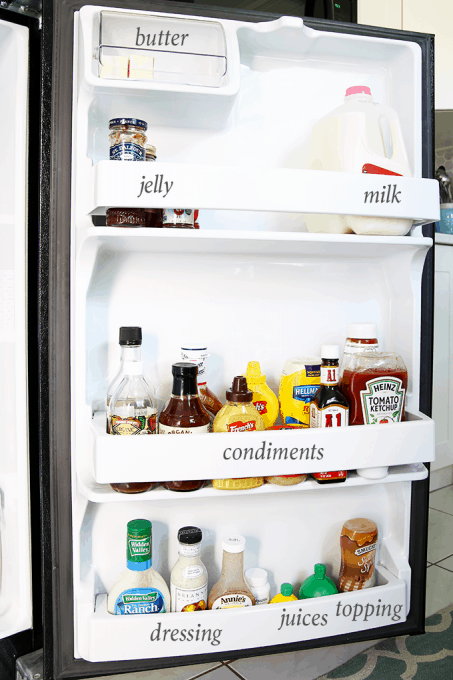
x,y
259,585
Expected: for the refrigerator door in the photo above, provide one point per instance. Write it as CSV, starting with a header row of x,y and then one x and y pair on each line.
x,y
19,462
232,124
15,597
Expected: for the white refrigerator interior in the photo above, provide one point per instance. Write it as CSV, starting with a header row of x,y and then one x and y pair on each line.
x,y
232,129
15,584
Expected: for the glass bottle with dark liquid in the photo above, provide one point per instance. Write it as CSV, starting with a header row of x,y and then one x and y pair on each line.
x,y
329,407
184,414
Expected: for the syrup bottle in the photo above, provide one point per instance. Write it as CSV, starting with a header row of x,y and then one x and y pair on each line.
x,y
329,407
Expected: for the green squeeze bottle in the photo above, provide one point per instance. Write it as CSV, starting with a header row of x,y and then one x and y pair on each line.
x,y
318,584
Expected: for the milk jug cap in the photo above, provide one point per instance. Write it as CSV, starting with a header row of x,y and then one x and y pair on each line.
x,y
362,331
286,589
358,89
239,390
253,374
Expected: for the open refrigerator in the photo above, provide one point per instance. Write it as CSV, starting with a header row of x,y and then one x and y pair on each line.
x,y
230,114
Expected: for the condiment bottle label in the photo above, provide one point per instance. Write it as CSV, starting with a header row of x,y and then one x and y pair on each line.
x,y
261,407
329,375
331,416
188,599
382,401
193,571
338,474
356,348
240,426
127,151
169,429
177,216
232,601
140,601
140,424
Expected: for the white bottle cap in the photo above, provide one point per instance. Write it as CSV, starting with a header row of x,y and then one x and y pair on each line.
x,y
133,367
256,577
233,543
362,331
330,352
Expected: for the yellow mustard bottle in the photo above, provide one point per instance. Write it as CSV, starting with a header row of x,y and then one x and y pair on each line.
x,y
264,400
285,595
238,415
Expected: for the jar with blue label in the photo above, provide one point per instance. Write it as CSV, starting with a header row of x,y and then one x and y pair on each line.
x,y
127,143
140,589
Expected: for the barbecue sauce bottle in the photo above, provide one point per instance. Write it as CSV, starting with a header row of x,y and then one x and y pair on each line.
x,y
329,407
184,414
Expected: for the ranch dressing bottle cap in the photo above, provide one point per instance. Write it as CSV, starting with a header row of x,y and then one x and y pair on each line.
x,y
139,544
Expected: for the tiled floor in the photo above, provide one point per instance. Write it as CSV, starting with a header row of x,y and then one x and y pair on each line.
x,y
316,662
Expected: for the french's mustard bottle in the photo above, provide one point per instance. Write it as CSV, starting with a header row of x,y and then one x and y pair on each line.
x,y
264,400
238,415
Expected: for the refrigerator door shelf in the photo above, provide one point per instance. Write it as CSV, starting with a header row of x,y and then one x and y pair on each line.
x,y
105,494
159,48
252,454
108,637
235,241
217,187
131,52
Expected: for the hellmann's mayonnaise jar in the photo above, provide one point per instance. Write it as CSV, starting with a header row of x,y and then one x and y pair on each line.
x,y
299,382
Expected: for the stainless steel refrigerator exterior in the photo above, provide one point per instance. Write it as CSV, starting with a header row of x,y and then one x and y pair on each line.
x,y
55,351
21,528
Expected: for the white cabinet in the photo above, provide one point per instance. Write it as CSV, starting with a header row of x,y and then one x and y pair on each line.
x,y
435,17
417,15
443,352
386,13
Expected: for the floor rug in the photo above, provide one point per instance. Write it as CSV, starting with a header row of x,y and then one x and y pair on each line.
x,y
409,657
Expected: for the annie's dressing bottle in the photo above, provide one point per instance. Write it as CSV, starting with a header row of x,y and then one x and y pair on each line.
x,y
231,590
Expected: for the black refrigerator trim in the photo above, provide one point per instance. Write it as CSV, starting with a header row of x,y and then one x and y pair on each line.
x,y
27,641
54,338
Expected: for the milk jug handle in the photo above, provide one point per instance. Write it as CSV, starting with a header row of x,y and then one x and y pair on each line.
x,y
399,150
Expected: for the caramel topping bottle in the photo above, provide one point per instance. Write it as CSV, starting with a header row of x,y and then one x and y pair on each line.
x,y
231,590
358,543
184,414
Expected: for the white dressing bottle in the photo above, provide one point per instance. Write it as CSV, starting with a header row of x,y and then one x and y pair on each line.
x,y
189,577
140,589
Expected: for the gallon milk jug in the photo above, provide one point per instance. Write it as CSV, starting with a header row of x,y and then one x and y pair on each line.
x,y
351,139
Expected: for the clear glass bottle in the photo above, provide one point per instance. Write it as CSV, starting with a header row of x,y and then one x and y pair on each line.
x,y
329,407
140,589
127,143
362,337
184,414
231,590
189,577
132,411
130,341
197,353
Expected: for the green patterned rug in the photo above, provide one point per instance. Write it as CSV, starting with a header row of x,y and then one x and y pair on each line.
x,y
410,657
